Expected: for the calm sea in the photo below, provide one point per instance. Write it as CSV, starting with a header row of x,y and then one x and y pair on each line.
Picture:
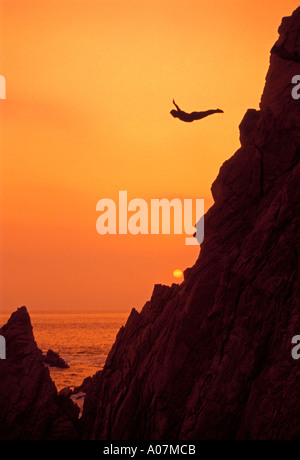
x,y
82,340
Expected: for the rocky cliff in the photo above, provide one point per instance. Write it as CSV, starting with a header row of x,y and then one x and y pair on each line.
x,y
211,358
30,407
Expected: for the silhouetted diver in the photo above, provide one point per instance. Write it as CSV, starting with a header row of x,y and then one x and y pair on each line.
x,y
189,117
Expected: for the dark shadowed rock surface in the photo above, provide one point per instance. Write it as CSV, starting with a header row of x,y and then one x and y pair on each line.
x,y
211,359
84,386
54,360
30,407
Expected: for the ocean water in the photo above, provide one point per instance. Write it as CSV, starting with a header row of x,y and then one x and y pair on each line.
x,y
82,340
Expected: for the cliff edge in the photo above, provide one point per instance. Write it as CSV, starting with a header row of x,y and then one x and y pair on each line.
x,y
211,358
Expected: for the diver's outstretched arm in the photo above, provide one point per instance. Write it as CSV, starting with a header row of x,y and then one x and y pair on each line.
x,y
177,106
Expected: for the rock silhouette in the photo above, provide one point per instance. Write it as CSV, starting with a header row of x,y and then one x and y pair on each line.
x,y
30,408
54,360
211,358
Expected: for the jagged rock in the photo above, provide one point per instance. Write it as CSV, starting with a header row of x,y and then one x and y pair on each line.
x,y
211,359
30,407
54,360
84,386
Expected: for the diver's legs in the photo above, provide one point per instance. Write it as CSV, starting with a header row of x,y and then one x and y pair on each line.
x,y
199,115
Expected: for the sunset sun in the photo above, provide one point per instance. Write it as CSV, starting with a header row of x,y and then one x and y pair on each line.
x,y
177,273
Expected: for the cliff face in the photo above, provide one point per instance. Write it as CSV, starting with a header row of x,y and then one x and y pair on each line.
x,y
30,407
211,358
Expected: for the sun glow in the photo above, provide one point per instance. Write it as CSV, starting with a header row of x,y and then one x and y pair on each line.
x,y
89,86
177,273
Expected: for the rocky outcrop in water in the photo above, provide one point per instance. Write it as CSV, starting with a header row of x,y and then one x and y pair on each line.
x,y
211,359
30,407
54,360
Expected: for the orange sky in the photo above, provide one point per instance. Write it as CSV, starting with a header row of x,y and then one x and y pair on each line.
x,y
90,85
